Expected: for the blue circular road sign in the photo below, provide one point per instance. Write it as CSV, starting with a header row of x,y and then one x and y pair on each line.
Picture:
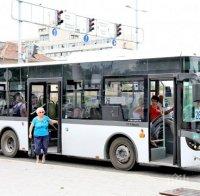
x,y
114,42
54,32
86,38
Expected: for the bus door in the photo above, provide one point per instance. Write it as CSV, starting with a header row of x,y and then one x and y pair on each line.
x,y
188,122
162,119
46,93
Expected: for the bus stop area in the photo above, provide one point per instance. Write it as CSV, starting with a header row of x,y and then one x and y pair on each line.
x,y
22,177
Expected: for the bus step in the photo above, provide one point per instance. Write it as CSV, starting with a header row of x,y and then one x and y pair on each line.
x,y
159,140
158,153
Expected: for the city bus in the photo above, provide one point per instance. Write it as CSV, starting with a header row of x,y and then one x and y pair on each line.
x,y
103,109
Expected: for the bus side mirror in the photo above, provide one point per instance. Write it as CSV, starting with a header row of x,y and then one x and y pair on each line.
x,y
196,92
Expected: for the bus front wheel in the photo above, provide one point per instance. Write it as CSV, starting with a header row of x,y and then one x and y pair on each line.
x,y
9,144
122,154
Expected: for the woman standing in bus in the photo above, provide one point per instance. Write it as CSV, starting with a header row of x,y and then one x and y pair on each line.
x,y
41,133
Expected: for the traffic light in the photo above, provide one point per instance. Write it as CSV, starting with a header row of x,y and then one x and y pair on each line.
x,y
118,30
91,24
59,19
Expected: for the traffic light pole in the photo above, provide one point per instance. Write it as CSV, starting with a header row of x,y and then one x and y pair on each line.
x,y
19,33
20,20
136,24
136,27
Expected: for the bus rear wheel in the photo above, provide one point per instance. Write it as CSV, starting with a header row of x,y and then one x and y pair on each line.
x,y
122,154
9,144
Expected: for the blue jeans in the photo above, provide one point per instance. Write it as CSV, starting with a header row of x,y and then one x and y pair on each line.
x,y
41,143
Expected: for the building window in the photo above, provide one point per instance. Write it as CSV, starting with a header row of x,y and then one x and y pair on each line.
x,y
73,36
44,37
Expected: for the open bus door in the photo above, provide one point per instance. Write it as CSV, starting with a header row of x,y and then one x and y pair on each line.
x,y
46,93
162,130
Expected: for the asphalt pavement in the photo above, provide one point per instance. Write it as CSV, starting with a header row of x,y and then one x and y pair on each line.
x,y
76,177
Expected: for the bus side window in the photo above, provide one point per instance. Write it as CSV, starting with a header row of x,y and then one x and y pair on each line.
x,y
129,94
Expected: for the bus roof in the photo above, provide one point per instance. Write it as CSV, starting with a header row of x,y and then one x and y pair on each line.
x,y
98,56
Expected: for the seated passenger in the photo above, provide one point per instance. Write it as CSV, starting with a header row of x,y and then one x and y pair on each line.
x,y
95,113
19,109
138,112
77,113
67,110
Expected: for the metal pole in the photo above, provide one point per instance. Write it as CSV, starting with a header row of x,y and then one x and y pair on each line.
x,y
19,32
136,23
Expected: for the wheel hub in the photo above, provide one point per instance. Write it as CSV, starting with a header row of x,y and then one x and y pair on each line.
x,y
122,154
10,144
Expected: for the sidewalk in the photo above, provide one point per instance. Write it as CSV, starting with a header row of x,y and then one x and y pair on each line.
x,y
22,178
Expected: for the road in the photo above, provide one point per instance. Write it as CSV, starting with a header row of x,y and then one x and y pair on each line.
x,y
62,176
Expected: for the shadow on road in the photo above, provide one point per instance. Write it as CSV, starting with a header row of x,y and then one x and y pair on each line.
x,y
173,172
165,172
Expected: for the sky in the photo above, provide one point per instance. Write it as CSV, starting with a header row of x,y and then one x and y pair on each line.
x,y
168,25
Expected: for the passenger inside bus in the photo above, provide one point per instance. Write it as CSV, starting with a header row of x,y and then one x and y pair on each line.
x,y
156,111
77,112
2,104
138,111
95,113
19,107
34,102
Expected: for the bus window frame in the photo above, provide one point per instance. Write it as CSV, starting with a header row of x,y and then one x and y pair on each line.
x,y
135,78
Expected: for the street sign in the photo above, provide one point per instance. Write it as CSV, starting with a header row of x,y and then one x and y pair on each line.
x,y
81,25
114,42
33,13
86,38
70,22
105,29
54,32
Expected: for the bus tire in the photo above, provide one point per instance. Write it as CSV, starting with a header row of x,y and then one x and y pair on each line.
x,y
9,143
122,154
